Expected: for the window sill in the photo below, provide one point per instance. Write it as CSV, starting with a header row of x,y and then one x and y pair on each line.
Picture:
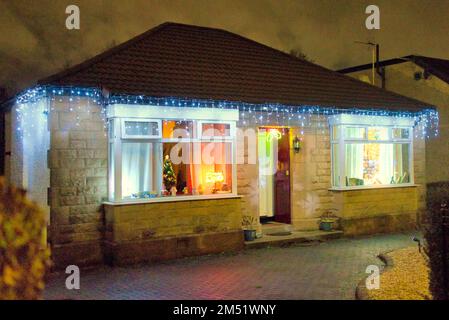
x,y
173,199
355,188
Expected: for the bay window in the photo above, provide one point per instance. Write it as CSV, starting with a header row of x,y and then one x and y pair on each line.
x,y
371,151
155,158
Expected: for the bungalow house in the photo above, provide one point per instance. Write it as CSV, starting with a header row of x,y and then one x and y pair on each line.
x,y
157,148
423,78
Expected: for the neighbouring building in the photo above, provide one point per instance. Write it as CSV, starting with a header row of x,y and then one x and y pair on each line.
x,y
423,78
158,148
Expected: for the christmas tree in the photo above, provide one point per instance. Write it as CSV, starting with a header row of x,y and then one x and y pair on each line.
x,y
168,174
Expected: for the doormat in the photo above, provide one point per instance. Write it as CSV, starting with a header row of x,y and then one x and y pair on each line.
x,y
281,233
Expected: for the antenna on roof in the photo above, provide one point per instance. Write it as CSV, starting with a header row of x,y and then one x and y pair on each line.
x,y
374,46
375,62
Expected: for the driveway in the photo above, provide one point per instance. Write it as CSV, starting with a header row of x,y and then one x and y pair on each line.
x,y
329,270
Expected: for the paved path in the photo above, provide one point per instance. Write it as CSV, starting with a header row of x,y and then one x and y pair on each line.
x,y
328,270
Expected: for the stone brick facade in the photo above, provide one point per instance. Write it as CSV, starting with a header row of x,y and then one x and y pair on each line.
x,y
81,233
78,174
171,229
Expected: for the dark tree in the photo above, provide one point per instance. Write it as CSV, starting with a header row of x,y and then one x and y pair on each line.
x,y
437,238
300,55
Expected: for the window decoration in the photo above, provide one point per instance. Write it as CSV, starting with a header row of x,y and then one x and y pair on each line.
x,y
169,176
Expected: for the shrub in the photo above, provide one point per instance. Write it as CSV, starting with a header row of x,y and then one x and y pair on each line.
x,y
23,256
437,238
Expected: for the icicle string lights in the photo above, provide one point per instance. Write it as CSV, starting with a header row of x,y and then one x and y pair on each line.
x,y
426,120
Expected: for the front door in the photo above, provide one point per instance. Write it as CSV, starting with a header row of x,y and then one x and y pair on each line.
x,y
282,179
274,174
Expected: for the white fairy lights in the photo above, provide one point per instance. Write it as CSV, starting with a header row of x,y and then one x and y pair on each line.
x,y
312,116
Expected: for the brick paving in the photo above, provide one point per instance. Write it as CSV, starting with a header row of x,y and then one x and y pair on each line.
x,y
328,270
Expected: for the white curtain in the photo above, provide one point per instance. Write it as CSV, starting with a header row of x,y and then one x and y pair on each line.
x,y
354,160
267,168
137,168
386,172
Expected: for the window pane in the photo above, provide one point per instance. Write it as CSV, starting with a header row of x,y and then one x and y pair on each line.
x,y
401,133
177,129
354,166
335,166
180,158
355,133
376,164
199,168
216,129
378,133
141,128
141,163
401,160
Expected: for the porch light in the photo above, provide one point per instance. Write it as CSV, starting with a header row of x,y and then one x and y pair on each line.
x,y
296,144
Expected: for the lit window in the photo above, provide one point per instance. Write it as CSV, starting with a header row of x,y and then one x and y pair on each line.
x,y
215,129
376,133
141,128
376,164
177,129
160,158
370,155
355,133
140,169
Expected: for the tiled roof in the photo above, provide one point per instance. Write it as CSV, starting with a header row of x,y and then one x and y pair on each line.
x,y
437,67
177,60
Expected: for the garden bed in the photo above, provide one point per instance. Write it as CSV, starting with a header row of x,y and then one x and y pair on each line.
x,y
406,277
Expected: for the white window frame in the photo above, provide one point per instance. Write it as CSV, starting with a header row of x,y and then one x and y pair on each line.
x,y
342,122
119,137
130,136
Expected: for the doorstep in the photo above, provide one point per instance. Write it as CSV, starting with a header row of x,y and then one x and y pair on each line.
x,y
294,237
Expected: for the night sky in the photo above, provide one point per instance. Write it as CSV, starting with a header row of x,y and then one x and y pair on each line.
x,y
34,42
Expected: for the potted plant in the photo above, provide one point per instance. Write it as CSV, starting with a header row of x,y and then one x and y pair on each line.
x,y
327,221
249,231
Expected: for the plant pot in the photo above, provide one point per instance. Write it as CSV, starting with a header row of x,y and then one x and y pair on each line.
x,y
326,225
250,235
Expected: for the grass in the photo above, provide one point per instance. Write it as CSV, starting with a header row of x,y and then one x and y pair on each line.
x,y
407,279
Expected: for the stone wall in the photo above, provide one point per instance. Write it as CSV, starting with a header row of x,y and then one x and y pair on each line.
x,y
311,176
171,229
78,174
248,175
373,211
